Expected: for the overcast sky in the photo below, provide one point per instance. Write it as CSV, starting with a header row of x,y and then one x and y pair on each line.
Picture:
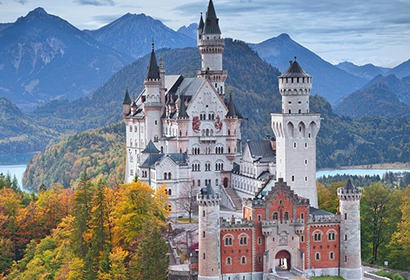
x,y
360,31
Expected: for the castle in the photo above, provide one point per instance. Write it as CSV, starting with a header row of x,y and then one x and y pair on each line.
x,y
185,133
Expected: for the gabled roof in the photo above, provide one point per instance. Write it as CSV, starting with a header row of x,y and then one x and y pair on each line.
x,y
211,21
180,159
153,69
208,190
127,98
294,70
150,149
261,150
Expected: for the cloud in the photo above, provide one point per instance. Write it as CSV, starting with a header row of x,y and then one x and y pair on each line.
x,y
22,2
95,2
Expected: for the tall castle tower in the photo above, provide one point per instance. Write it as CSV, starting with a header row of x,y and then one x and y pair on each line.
x,y
153,104
295,130
350,255
211,47
209,235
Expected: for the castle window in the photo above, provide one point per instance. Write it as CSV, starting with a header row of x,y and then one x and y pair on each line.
x,y
306,145
199,183
317,256
302,238
229,132
302,216
286,216
203,213
300,111
169,175
243,260
165,176
345,216
259,240
306,178
294,145
317,235
259,218
243,240
203,255
293,178
290,111
228,241
345,258
203,234
155,138
345,237
331,236
275,216
130,128
228,261
306,161
169,192
156,122
331,256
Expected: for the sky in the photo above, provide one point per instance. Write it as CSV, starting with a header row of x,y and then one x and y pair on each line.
x,y
359,31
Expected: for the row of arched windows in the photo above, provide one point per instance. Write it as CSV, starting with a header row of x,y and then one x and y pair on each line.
x,y
318,235
318,256
167,176
243,239
229,261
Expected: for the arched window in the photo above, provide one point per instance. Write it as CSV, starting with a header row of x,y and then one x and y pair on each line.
x,y
243,239
331,256
165,176
275,216
169,175
317,256
169,192
228,261
331,235
228,240
243,260
286,216
317,236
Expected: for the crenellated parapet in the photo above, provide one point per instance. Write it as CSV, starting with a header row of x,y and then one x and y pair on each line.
x,y
208,199
349,194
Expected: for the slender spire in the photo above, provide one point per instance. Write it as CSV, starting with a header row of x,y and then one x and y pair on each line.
x,y
153,69
211,21
127,99
201,24
233,112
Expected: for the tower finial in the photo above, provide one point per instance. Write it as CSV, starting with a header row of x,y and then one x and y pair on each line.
x,y
152,44
295,57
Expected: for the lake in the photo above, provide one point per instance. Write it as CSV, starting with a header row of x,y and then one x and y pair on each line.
x,y
358,172
15,165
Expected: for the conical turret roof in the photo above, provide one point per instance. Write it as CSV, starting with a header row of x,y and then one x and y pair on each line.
x,y
182,108
127,99
232,111
294,70
201,24
150,149
349,185
153,69
211,21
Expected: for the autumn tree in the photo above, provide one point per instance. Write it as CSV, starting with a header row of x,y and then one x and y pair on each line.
x,y
186,200
379,218
327,196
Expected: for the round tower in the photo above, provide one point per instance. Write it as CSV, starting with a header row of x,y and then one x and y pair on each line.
x,y
295,131
211,46
350,254
209,234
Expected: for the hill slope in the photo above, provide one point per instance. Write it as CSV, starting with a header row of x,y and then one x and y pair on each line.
x,y
402,70
328,80
43,57
18,133
132,34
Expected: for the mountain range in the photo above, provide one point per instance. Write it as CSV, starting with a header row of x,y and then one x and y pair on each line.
x,y
328,80
133,34
43,57
367,71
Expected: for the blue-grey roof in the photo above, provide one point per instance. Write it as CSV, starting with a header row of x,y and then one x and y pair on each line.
x,y
349,185
150,149
318,212
127,98
261,150
232,110
179,158
153,69
211,21
265,175
294,70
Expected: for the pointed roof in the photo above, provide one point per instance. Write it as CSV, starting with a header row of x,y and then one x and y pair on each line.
x,y
208,190
182,108
294,70
127,99
150,149
201,24
153,69
349,185
232,111
211,21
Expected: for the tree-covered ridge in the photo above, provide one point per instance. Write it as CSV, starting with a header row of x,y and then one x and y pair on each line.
x,y
88,232
100,153
19,134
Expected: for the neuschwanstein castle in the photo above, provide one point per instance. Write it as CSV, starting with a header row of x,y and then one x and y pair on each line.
x,y
186,133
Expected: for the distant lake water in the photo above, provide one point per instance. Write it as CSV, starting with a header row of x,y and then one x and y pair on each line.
x,y
15,165
358,172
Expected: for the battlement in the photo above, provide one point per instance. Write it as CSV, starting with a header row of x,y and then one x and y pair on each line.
x,y
325,220
349,194
235,223
208,199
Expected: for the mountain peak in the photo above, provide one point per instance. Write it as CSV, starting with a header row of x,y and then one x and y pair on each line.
x,y
39,10
284,36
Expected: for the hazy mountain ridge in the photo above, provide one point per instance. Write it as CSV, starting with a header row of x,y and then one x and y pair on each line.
x,y
367,71
44,57
402,70
190,30
132,34
328,80
19,134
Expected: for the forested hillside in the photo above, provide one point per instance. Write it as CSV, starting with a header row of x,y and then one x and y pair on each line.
x,y
99,153
86,232
18,134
